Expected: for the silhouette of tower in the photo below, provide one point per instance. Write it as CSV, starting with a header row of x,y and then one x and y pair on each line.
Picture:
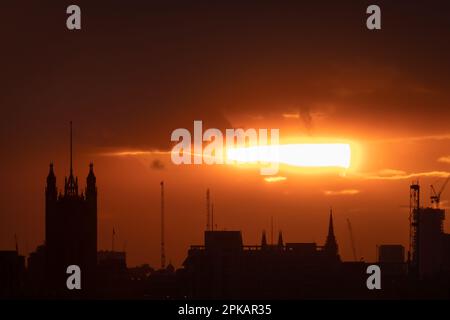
x,y
331,247
70,229
280,240
263,240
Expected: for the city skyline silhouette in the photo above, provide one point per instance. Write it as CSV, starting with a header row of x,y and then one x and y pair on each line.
x,y
136,73
224,267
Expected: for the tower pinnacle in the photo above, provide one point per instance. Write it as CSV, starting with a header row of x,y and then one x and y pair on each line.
x,y
263,240
71,186
331,247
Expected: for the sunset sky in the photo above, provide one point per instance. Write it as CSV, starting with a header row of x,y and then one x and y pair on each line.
x,y
137,71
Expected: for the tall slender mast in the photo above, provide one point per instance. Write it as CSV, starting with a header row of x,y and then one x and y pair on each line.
x,y
112,239
16,243
163,254
212,216
271,230
70,147
208,207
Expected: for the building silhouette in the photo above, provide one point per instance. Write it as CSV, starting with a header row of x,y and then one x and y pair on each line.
x,y
112,274
225,268
70,229
429,241
429,255
12,274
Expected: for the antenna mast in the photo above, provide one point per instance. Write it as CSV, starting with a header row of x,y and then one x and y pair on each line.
x,y
208,208
163,254
212,216
112,239
352,240
16,243
71,147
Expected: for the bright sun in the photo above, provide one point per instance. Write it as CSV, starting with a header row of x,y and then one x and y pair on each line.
x,y
336,155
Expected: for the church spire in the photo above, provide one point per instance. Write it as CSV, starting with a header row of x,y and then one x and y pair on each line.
x,y
331,247
280,240
263,240
51,178
330,225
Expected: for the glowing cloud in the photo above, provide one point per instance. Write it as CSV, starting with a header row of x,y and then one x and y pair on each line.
x,y
127,153
390,174
345,192
291,115
275,179
444,159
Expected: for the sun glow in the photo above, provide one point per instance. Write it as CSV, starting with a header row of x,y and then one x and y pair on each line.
x,y
336,155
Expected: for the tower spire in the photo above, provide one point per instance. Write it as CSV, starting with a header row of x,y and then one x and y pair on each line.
x,y
331,247
263,240
71,184
330,224
280,239
163,252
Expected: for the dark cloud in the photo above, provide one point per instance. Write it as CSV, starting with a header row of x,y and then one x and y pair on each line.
x,y
157,164
140,69
306,117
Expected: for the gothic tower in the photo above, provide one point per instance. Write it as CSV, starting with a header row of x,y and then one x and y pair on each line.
x,y
70,231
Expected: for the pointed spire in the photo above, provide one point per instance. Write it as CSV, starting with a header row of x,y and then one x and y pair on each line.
x,y
91,176
280,239
91,187
331,246
50,188
263,240
71,185
330,224
51,178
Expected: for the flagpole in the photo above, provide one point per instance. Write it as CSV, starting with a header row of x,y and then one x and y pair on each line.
x,y
113,234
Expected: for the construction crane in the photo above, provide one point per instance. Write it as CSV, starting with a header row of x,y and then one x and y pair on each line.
x,y
436,196
352,241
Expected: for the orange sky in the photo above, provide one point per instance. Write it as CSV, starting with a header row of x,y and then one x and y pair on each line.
x,y
137,72
129,198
